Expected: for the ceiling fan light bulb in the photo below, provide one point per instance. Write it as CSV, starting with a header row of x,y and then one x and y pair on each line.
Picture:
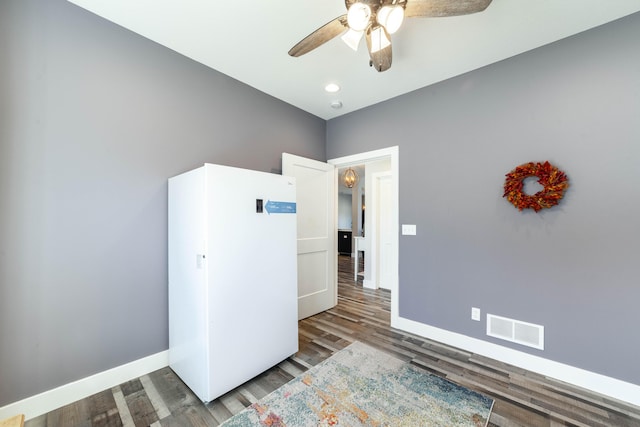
x,y
352,38
358,16
391,17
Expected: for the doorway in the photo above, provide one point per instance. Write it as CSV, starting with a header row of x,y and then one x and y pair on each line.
x,y
351,214
386,185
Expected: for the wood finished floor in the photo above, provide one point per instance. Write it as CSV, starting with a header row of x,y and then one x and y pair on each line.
x,y
522,398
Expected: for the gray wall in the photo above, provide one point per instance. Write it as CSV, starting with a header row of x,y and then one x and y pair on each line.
x,y
94,119
573,268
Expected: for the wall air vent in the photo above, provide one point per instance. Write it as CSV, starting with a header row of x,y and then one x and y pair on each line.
x,y
515,331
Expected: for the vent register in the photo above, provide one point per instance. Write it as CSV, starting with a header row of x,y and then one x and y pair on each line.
x,y
515,331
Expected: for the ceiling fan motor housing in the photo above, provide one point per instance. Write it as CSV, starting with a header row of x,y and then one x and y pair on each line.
x,y
375,5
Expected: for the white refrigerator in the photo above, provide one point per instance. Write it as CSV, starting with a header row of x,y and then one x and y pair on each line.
x,y
232,276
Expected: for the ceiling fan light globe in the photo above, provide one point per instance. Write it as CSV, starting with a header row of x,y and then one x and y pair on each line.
x,y
352,38
391,17
358,16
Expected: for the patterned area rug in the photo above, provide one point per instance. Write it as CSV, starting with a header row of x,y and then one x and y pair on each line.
x,y
361,386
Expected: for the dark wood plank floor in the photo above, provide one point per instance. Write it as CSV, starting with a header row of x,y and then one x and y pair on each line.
x,y
522,398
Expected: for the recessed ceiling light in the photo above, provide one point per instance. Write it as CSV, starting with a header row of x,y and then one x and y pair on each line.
x,y
332,88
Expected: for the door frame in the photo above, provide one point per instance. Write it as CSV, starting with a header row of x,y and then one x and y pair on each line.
x,y
393,153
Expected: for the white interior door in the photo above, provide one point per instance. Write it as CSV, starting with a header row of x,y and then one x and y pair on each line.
x,y
385,230
317,250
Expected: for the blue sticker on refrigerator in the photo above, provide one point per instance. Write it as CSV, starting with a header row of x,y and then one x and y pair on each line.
x,y
273,207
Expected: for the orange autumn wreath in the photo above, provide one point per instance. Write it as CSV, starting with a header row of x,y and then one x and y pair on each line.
x,y
553,180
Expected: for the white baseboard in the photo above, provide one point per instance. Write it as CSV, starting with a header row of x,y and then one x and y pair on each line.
x,y
42,403
602,384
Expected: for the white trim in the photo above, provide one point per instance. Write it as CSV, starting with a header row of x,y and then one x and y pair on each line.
x,y
368,156
47,401
393,153
369,284
582,378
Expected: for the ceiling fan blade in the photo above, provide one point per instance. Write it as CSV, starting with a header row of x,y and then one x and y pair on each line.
x,y
381,55
441,8
320,36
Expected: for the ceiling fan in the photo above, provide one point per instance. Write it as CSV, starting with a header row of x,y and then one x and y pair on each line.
x,y
377,20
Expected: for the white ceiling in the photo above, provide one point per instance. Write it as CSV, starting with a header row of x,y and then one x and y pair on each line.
x,y
249,40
